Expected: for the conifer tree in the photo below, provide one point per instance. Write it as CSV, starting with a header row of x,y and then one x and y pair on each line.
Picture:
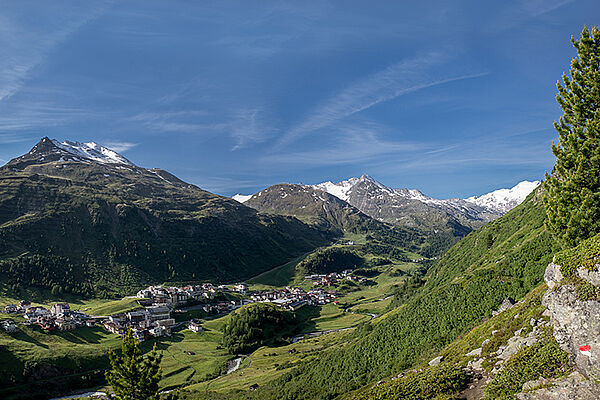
x,y
572,197
133,376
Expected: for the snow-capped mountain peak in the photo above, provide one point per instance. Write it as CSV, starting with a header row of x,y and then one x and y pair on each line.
x,y
92,151
499,201
505,199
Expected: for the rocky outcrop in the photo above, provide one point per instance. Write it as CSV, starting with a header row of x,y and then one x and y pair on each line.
x,y
576,324
592,276
552,275
576,328
573,387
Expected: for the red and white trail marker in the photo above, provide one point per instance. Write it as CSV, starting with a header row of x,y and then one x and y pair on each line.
x,y
586,350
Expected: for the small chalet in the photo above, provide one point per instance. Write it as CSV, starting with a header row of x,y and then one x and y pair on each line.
x,y
60,309
159,331
139,335
167,323
33,313
195,326
64,324
114,328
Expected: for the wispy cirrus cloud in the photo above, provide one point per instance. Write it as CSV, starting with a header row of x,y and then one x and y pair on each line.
x,y
26,46
245,125
6,138
172,121
521,11
35,114
394,81
511,148
353,144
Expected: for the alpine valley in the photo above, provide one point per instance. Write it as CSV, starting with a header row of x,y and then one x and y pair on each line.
x,y
349,290
122,281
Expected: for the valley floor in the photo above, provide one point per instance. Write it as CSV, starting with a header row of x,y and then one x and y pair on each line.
x,y
195,361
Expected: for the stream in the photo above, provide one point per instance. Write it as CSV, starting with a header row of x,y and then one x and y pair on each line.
x,y
233,365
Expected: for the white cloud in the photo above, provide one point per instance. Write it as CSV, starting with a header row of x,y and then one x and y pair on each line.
x,y
396,80
26,46
246,125
120,147
6,138
354,144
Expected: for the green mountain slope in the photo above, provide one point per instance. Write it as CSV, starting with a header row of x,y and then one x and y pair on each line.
x,y
98,228
505,258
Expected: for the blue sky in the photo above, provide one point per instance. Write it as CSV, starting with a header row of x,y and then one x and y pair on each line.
x,y
455,98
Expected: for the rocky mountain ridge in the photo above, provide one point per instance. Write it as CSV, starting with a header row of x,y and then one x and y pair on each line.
x,y
411,208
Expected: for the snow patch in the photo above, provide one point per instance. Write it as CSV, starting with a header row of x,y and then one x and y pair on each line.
x,y
242,198
498,201
92,151
504,200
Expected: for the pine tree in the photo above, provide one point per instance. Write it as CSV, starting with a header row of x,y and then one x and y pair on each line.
x,y
572,197
133,376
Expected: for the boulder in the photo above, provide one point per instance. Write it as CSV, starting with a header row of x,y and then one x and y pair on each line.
x,y
573,387
436,361
552,276
474,353
506,304
592,276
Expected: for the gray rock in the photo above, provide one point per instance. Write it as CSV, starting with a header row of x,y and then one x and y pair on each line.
x,y
485,342
476,365
473,353
514,344
592,277
541,381
573,387
575,323
436,361
552,276
506,304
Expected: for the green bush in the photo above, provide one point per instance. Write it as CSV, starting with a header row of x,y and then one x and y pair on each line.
x,y
255,325
433,383
586,291
328,260
586,254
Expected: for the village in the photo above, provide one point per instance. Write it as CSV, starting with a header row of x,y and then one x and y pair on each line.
x,y
158,303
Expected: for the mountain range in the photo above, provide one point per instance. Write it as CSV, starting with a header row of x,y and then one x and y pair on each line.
x,y
353,191
85,219
80,218
442,221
